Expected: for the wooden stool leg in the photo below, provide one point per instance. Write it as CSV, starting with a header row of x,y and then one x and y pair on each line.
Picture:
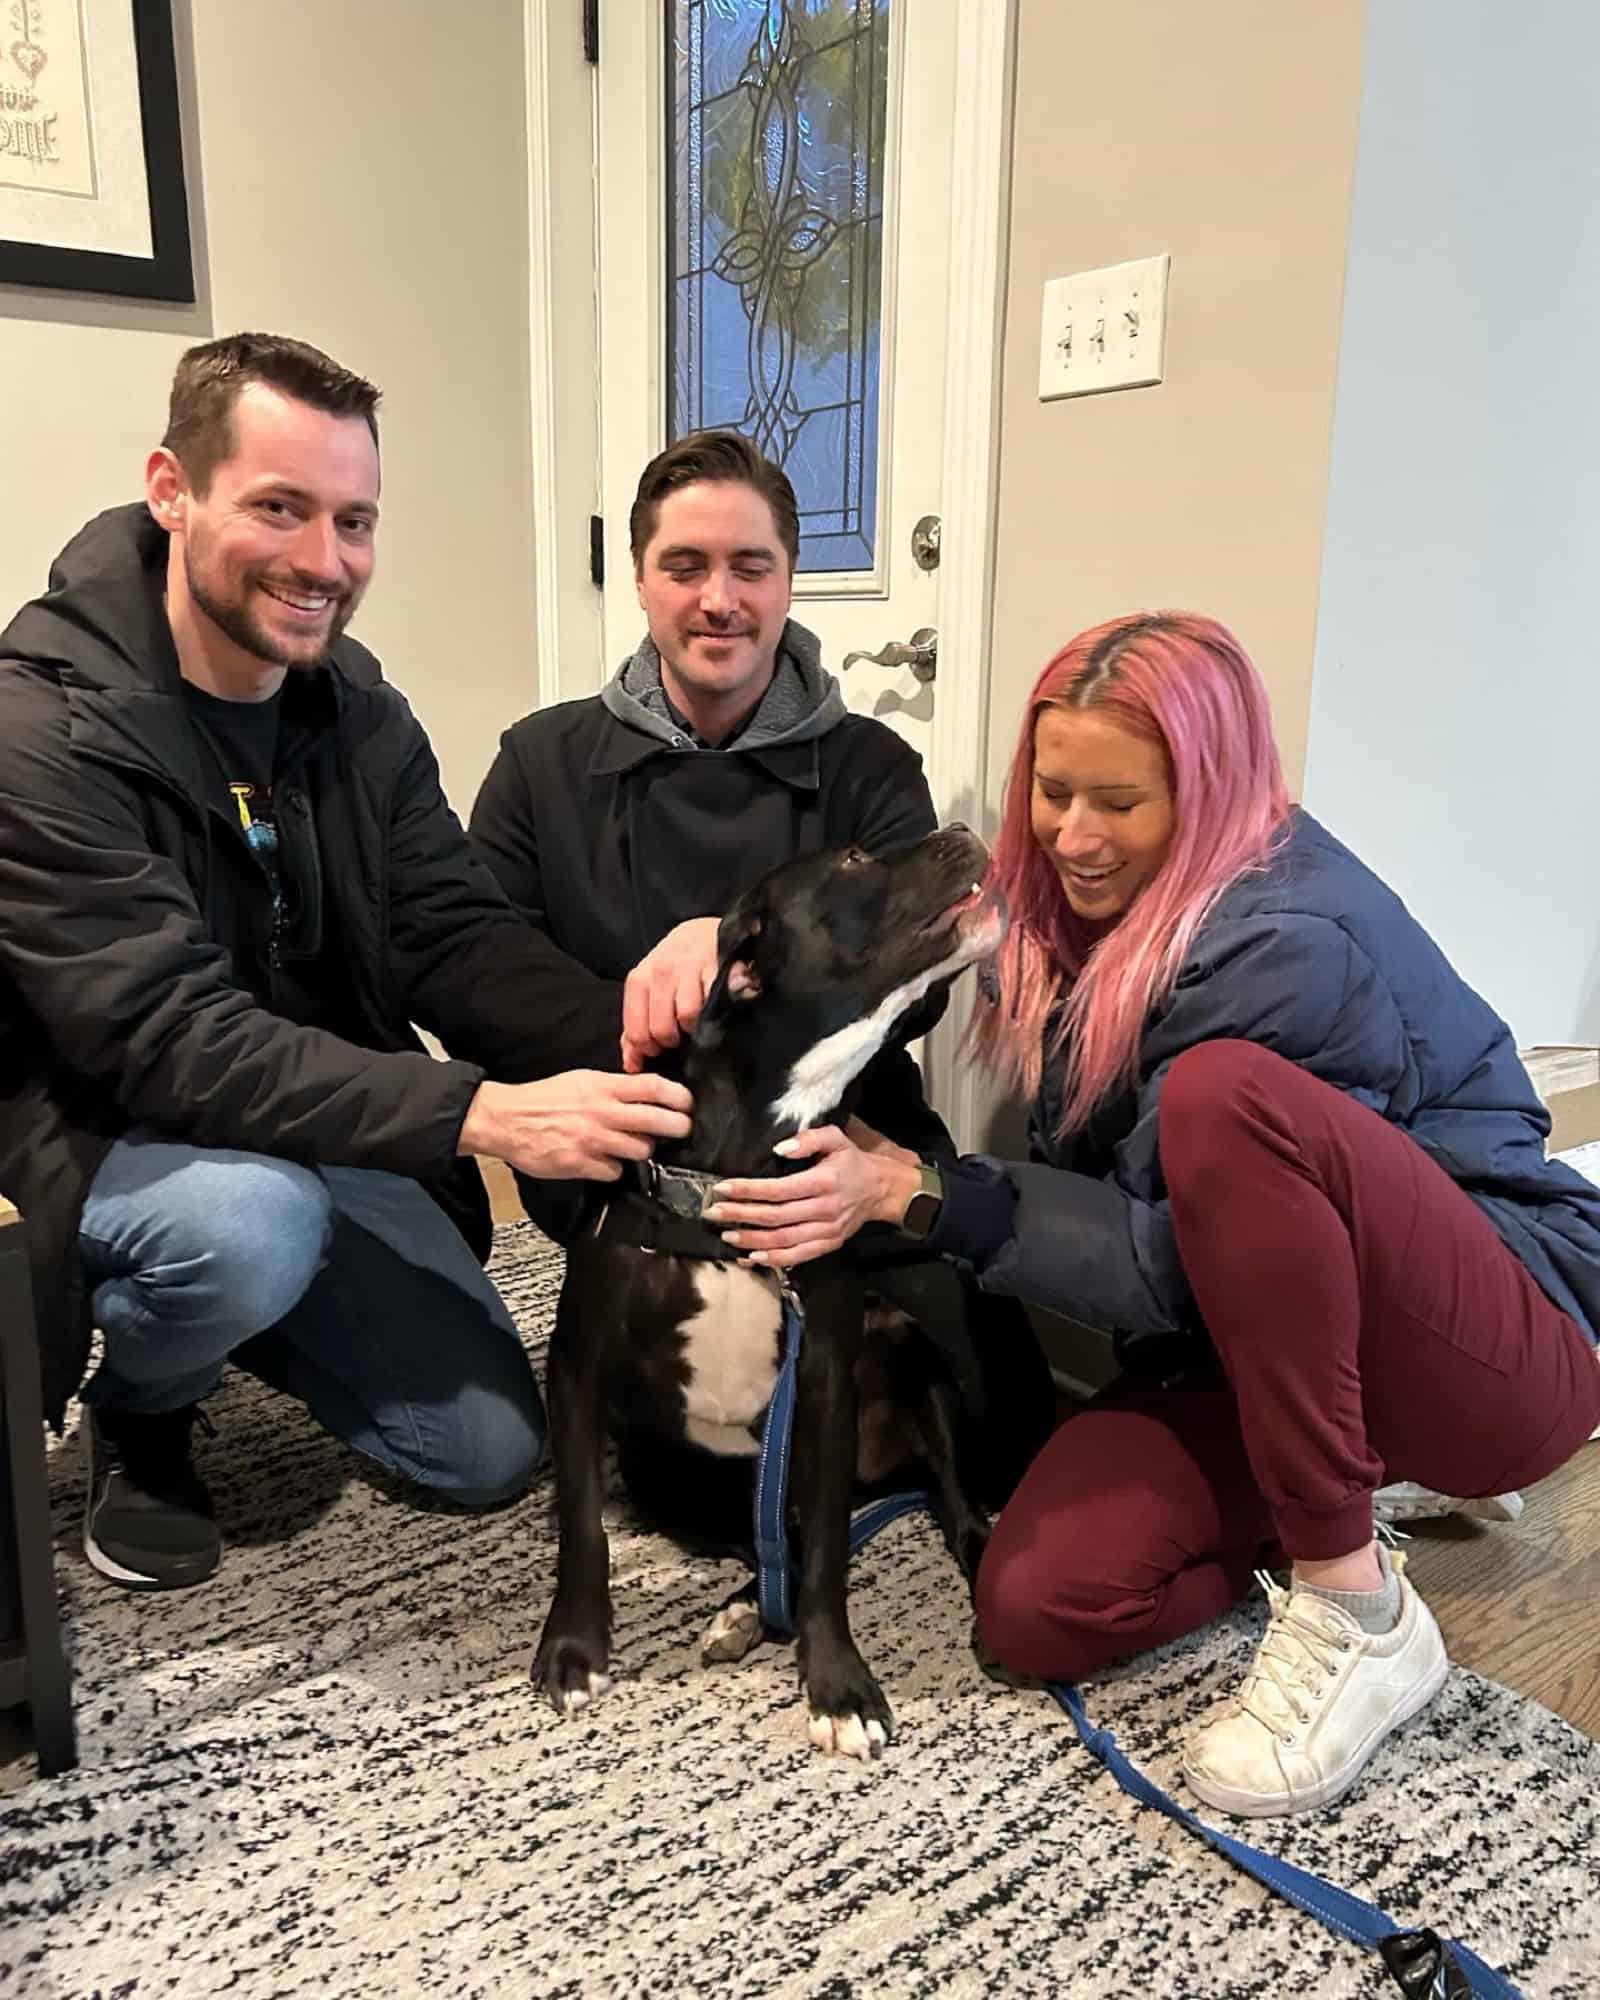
x,y
25,1540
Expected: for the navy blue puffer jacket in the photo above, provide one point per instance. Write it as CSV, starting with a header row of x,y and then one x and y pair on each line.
x,y
1320,961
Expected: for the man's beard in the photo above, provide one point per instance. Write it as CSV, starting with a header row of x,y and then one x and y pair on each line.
x,y
237,622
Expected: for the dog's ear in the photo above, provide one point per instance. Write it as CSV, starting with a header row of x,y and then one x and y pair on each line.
x,y
738,979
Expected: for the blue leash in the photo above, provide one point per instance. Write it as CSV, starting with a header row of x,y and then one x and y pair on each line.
x,y
774,1570
1425,1967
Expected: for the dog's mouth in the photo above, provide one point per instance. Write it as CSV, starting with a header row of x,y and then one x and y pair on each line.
x,y
976,920
962,904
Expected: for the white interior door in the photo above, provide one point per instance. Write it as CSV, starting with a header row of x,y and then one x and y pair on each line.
x,y
775,208
942,74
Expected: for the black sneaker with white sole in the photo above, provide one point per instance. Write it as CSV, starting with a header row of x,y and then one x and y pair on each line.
x,y
149,1523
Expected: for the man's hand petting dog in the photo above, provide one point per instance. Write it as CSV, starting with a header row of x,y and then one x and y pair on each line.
x,y
858,1177
582,1125
664,993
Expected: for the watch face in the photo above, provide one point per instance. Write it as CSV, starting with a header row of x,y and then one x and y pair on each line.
x,y
920,1212
924,1205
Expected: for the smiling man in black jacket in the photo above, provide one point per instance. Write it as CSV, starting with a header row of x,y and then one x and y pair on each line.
x,y
229,884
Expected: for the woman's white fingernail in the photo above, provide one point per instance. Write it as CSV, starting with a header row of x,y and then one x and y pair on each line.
x,y
757,1257
787,1147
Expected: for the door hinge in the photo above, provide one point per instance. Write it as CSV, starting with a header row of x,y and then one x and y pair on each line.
x,y
597,552
591,30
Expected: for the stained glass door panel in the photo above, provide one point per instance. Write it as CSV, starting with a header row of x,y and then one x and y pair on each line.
x,y
775,210
777,114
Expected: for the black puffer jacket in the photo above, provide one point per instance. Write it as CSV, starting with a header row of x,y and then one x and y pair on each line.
x,y
118,999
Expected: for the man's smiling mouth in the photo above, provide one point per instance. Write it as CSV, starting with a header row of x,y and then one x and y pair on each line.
x,y
308,603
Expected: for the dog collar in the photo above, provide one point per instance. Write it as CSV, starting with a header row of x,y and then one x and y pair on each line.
x,y
665,1212
681,1191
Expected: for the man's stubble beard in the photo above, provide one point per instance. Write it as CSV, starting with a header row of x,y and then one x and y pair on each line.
x,y
235,622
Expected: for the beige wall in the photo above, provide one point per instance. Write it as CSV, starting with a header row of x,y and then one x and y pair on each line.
x,y
362,177
1224,133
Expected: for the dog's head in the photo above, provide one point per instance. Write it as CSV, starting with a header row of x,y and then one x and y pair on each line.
x,y
820,960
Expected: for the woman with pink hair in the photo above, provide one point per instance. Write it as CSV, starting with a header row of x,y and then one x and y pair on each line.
x,y
1291,1162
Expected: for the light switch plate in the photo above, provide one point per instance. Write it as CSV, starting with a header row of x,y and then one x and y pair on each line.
x,y
1104,329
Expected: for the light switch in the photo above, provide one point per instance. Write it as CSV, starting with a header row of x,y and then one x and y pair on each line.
x,y
1103,329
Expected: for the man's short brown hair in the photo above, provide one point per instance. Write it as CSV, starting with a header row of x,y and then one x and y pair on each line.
x,y
209,378
713,458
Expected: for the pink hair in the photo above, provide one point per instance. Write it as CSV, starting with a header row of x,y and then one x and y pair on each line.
x,y
1186,683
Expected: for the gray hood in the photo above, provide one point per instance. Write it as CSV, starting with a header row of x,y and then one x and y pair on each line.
x,y
802,703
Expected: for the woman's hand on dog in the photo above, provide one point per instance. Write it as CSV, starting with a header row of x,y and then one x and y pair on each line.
x,y
857,1176
581,1125
663,995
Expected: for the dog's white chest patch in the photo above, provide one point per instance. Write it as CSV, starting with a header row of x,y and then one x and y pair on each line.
x,y
822,1075
731,1346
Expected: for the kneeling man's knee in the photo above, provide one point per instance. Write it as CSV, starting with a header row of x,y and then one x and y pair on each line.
x,y
494,1450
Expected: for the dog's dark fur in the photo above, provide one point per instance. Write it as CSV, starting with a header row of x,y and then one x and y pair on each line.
x,y
677,1358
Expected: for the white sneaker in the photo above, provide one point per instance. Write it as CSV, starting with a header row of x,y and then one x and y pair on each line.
x,y
1405,1500
1319,1698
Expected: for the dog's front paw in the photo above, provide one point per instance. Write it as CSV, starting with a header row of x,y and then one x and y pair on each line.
x,y
849,1716
849,1736
570,1670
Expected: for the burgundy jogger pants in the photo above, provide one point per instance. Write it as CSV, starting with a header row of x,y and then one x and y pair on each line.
x,y
1371,1326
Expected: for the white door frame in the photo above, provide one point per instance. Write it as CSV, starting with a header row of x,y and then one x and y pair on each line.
x,y
547,635
980,181
980,144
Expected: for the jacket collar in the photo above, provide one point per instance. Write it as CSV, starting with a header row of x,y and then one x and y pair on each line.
x,y
148,727
143,725
619,749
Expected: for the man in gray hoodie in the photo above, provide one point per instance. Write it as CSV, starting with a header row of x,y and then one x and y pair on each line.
x,y
624,825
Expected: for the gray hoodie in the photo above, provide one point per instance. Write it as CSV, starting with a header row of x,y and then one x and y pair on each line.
x,y
802,700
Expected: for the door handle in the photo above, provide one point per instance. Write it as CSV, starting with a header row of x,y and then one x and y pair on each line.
x,y
920,653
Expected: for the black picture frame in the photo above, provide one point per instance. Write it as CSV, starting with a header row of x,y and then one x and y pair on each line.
x,y
168,273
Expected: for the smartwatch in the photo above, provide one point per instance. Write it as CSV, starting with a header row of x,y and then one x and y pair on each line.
x,y
922,1211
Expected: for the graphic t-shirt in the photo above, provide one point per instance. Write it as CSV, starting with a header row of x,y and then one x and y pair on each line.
x,y
243,739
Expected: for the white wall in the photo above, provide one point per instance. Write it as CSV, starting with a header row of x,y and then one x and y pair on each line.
x,y
360,179
1455,713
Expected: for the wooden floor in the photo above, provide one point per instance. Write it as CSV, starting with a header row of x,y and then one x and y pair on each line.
x,y
1518,1602
1521,1602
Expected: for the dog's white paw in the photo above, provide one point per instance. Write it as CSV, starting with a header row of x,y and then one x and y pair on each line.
x,y
731,1634
576,1699
847,1736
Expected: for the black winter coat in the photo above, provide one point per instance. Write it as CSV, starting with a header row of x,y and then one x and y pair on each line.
x,y
606,838
118,1001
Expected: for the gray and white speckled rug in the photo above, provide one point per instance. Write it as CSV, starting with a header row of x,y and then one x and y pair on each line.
x,y
326,1774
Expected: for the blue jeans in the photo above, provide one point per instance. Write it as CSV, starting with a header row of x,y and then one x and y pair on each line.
x,y
347,1288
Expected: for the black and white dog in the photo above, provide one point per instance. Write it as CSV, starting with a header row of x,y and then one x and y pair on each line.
x,y
669,1344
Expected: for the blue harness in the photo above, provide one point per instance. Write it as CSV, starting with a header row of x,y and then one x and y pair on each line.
x,y
1424,1966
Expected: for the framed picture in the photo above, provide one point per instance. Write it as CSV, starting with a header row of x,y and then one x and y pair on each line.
x,y
91,157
